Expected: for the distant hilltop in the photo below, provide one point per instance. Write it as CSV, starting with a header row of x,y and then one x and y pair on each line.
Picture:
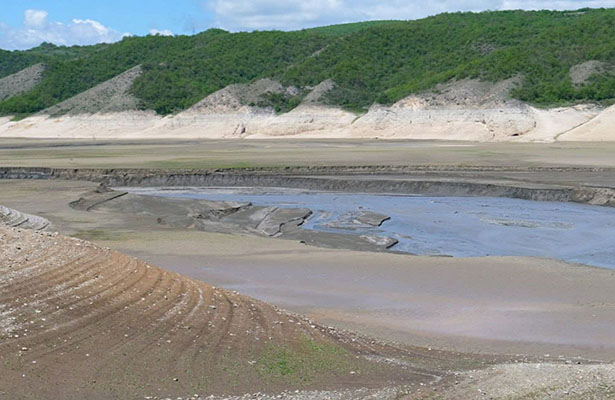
x,y
375,77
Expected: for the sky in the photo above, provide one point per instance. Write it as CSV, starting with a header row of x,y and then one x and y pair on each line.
x,y
27,23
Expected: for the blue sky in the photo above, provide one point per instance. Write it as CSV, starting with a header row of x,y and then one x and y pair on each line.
x,y
138,16
27,23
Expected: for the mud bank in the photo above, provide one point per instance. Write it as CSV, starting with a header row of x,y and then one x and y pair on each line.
x,y
436,226
421,180
228,217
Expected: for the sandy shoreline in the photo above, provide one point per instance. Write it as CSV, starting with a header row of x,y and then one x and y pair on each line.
x,y
504,305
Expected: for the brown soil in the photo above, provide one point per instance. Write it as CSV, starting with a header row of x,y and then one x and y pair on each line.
x,y
81,321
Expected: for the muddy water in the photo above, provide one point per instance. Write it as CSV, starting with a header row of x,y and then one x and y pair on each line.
x,y
446,226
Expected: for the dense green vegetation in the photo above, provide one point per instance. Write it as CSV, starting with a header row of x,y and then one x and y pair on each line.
x,y
386,63
346,29
381,61
216,59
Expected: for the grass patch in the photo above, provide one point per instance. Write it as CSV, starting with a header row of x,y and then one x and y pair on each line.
x,y
303,363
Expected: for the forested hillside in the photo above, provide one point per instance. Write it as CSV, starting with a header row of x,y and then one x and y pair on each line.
x,y
372,62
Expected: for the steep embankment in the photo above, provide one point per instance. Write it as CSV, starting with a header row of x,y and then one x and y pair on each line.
x,y
80,321
243,111
600,128
471,110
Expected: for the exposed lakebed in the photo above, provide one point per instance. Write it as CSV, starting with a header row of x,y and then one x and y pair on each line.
x,y
442,226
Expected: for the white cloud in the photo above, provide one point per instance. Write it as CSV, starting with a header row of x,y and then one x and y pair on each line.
x,y
296,14
555,5
37,29
35,18
164,32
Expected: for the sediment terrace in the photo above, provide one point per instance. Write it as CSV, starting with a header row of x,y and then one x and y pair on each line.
x,y
566,184
16,218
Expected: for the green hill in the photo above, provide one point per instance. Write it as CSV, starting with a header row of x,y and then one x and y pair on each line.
x,y
346,29
372,62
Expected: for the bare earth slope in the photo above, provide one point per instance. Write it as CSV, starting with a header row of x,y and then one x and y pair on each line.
x,y
580,73
233,112
81,321
21,82
468,109
110,96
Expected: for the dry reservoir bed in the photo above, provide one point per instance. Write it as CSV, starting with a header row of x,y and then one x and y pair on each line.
x,y
512,305
488,304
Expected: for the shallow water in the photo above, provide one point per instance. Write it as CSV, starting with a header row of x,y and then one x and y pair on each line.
x,y
446,226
